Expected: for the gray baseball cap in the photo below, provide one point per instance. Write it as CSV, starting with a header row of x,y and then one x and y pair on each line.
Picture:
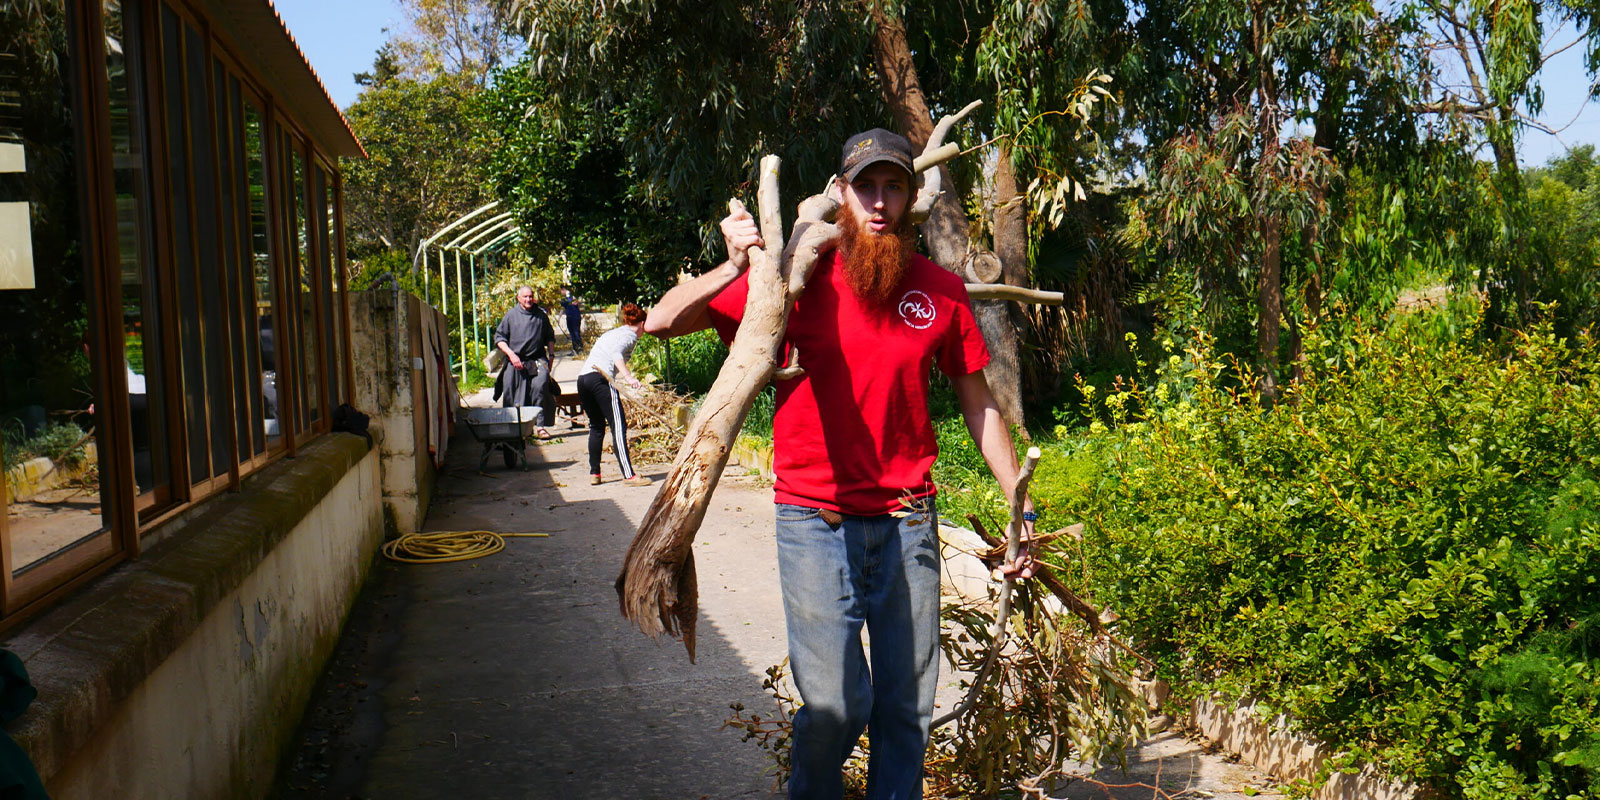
x,y
870,147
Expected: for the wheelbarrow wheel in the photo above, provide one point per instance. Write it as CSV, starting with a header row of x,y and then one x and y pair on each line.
x,y
510,456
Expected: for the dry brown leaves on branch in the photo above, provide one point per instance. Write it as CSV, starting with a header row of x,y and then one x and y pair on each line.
x,y
654,428
1058,691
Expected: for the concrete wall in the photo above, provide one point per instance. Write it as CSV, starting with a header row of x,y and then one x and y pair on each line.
x,y
184,674
386,342
1273,746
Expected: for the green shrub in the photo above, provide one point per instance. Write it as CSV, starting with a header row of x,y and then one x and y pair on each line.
x,y
695,360
61,442
758,422
1402,553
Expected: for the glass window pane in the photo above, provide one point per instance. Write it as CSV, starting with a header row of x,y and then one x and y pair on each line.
x,y
310,383
48,418
208,261
263,360
326,278
235,253
141,295
341,332
183,246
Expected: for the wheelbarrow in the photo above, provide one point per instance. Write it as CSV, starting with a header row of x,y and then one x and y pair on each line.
x,y
503,429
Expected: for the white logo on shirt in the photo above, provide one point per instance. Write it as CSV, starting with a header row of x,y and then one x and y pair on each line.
x,y
916,308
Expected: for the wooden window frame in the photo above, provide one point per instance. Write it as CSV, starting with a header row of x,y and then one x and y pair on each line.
x,y
24,594
128,515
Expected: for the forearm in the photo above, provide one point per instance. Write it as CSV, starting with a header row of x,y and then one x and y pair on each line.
x,y
988,430
683,310
505,348
622,371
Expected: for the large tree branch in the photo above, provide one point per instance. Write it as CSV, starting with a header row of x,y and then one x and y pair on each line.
x,y
935,153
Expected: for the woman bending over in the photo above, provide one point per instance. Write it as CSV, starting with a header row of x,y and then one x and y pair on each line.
x,y
608,362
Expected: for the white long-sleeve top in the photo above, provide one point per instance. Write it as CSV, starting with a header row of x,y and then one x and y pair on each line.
x,y
616,344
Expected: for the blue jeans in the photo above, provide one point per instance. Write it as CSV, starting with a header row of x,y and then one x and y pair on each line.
x,y
881,572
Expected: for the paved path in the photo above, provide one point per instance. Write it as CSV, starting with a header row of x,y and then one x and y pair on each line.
x,y
513,676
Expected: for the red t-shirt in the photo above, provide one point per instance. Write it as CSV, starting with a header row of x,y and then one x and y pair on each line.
x,y
853,433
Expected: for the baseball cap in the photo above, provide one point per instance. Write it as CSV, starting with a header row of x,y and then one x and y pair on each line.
x,y
870,147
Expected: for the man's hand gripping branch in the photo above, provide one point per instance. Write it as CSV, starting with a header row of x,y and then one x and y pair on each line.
x,y
683,309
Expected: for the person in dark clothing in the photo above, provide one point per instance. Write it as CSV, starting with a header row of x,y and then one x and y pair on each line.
x,y
525,337
573,311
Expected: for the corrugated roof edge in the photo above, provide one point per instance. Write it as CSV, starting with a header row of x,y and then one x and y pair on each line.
x,y
318,78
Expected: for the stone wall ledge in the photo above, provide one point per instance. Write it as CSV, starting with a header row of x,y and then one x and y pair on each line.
x,y
90,653
1274,746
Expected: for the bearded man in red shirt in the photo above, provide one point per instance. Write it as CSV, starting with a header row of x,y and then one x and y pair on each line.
x,y
853,449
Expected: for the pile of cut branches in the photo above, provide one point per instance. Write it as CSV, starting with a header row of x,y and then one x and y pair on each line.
x,y
654,429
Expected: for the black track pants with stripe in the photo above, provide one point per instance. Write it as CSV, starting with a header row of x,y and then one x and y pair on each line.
x,y
603,406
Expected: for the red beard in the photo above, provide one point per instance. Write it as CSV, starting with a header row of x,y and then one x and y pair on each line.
x,y
874,263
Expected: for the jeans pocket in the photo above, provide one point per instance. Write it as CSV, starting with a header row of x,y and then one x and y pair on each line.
x,y
791,513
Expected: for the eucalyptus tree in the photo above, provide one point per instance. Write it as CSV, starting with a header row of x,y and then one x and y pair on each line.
x,y
1478,66
1244,200
1043,71
707,88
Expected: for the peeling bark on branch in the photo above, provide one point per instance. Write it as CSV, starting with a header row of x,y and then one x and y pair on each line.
x,y
1002,613
1001,291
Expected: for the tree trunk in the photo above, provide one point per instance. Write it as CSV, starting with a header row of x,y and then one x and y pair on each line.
x,y
1509,292
946,229
1011,247
1269,298
1270,302
945,232
1010,222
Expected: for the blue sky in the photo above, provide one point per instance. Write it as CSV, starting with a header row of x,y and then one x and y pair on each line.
x,y
341,37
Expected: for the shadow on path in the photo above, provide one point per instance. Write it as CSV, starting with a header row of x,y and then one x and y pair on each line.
x,y
514,676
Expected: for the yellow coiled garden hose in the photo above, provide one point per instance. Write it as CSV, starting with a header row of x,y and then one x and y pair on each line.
x,y
440,547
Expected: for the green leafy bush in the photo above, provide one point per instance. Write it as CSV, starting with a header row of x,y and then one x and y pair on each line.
x,y
1402,554
758,422
694,360
60,442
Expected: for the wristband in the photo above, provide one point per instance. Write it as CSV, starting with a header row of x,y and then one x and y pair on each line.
x,y
1029,516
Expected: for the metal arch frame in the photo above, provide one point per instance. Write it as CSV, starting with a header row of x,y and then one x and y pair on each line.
x,y
499,242
487,225
505,237
422,249
452,226
468,243
497,221
497,231
498,228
